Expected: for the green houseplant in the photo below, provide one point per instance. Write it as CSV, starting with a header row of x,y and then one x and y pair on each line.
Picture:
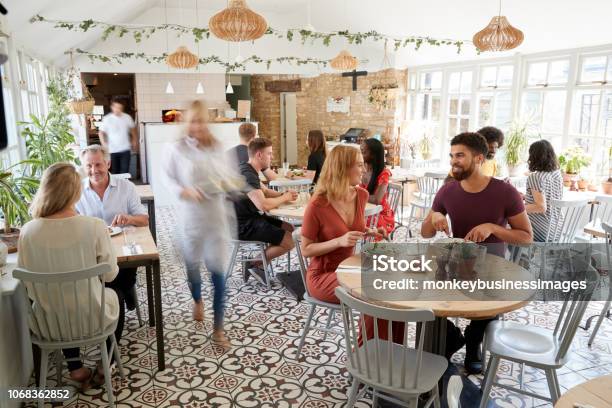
x,y
606,186
572,161
16,192
516,146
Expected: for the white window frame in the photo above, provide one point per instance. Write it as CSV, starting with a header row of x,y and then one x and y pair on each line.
x,y
495,91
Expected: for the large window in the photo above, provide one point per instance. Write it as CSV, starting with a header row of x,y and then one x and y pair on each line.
x,y
459,102
11,154
495,96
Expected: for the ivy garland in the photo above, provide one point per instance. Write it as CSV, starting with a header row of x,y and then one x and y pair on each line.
x,y
144,32
212,59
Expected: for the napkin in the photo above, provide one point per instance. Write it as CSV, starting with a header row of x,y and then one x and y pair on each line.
x,y
128,250
349,270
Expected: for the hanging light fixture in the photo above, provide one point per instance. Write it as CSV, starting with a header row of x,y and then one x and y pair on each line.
x,y
344,62
169,88
229,89
182,58
199,88
499,35
238,23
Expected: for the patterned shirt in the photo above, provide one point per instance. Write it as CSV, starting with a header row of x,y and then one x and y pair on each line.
x,y
550,184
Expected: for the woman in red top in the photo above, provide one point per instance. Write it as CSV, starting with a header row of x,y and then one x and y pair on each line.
x,y
334,220
376,181
333,223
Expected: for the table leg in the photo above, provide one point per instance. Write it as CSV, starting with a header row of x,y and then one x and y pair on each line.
x,y
152,225
159,329
149,275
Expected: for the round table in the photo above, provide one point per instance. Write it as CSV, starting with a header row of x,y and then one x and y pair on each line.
x,y
596,393
435,335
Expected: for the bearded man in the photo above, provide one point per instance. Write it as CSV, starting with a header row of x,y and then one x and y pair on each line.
x,y
480,208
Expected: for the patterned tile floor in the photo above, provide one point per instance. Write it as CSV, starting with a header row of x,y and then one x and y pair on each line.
x,y
260,369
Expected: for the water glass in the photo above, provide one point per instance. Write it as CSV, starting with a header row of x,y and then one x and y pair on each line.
x,y
129,238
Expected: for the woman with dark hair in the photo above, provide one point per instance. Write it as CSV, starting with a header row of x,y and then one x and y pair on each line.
x,y
376,181
545,183
318,153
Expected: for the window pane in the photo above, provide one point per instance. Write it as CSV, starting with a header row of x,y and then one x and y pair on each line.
x,y
25,105
466,82
554,112
504,76
593,69
464,125
465,107
537,73
436,80
585,110
484,110
532,102
489,77
609,75
426,80
454,82
606,118
412,82
435,107
452,127
558,72
503,109
411,106
9,112
454,106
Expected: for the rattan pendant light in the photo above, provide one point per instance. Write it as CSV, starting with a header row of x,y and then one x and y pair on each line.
x,y
182,58
238,23
499,35
344,62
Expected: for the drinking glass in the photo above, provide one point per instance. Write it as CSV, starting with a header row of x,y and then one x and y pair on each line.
x,y
129,238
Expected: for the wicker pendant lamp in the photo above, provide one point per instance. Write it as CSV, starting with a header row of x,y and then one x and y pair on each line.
x,y
238,23
499,35
344,62
182,58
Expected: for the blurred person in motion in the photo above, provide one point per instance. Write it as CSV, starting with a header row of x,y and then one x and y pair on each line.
x,y
200,177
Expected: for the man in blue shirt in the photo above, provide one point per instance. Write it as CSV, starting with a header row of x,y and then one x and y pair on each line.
x,y
114,200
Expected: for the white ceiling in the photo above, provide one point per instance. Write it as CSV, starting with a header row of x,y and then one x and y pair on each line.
x,y
547,24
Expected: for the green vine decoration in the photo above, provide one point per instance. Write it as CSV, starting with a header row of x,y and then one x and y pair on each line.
x,y
140,32
212,59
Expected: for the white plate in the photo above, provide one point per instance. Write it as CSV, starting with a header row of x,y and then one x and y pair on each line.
x,y
114,231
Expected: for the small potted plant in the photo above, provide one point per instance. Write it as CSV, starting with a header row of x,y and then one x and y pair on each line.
x,y
583,183
606,186
16,192
425,147
516,146
572,161
463,260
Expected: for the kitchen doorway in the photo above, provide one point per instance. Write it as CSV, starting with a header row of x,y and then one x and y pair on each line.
x,y
289,151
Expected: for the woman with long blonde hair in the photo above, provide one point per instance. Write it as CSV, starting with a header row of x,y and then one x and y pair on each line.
x,y
83,242
334,220
200,177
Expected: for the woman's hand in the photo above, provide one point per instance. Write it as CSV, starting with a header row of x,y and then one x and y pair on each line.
x,y
192,194
378,233
350,239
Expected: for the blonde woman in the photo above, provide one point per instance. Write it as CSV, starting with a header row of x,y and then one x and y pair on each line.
x,y
84,242
334,220
200,176
333,223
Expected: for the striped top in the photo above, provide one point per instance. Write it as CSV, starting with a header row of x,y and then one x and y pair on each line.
x,y
550,184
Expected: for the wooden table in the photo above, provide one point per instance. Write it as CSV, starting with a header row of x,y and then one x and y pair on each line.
x,y
595,229
146,197
149,258
296,211
596,393
435,335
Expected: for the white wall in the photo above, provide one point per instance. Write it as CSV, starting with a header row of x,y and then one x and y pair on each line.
x,y
151,96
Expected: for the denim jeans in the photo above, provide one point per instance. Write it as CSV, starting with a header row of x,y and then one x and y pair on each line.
x,y
120,162
194,280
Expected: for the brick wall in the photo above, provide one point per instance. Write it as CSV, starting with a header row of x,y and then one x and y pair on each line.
x,y
312,106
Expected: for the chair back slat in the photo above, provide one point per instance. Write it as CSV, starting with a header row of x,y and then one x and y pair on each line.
x,y
52,311
393,198
378,352
566,217
575,304
303,262
603,209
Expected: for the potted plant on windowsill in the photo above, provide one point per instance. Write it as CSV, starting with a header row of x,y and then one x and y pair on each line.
x,y
606,186
16,192
516,147
572,161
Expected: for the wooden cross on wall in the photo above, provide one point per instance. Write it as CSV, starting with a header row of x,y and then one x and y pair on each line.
x,y
354,74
